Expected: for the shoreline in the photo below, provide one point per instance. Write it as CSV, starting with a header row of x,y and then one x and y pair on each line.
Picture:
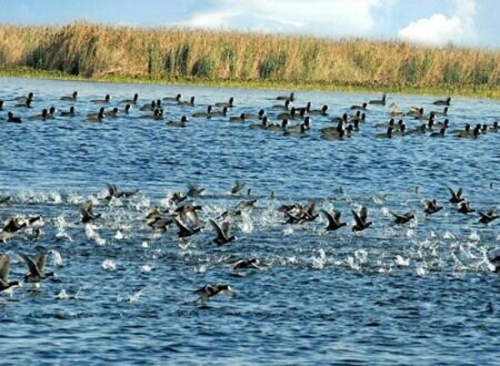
x,y
459,91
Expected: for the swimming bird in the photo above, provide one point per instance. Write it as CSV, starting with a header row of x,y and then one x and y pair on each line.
x,y
488,216
223,232
12,118
113,113
87,212
96,117
456,197
4,273
176,99
278,126
106,100
439,134
319,112
361,219
240,118
285,106
260,126
1,105
70,113
36,268
208,291
387,134
293,113
444,112
217,113
379,101
430,206
229,103
24,98
181,123
189,102
361,107
401,219
290,97
495,261
296,131
446,101
40,117
474,134
333,218
150,106
70,98
206,114
24,104
131,101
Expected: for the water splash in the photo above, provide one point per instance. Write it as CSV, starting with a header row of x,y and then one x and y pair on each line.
x,y
109,265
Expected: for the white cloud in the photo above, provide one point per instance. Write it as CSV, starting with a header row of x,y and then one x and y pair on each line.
x,y
314,17
439,30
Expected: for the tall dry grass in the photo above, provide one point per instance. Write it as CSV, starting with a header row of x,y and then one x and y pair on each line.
x,y
91,50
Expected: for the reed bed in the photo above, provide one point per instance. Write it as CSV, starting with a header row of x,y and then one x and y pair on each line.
x,y
86,50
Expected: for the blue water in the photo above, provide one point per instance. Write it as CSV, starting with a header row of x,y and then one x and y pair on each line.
x,y
418,294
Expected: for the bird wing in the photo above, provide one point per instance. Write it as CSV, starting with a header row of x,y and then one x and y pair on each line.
x,y
363,214
226,229
218,229
329,217
40,261
397,216
4,267
358,220
182,227
33,269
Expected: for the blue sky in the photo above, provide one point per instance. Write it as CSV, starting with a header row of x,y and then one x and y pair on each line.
x,y
431,22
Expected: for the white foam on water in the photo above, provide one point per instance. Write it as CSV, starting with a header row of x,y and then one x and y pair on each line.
x,y
109,265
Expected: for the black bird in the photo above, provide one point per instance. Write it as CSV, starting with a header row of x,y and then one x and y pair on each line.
x,y
206,292
223,232
431,207
188,213
237,187
447,102
113,191
194,190
4,273
404,218
456,197
464,207
87,212
36,268
333,220
184,230
246,263
488,216
361,219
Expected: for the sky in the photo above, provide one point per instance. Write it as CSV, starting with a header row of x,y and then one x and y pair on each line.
x,y
468,23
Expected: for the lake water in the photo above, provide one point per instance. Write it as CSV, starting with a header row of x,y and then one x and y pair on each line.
x,y
417,294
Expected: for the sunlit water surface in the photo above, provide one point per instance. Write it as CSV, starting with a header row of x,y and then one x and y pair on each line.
x,y
418,294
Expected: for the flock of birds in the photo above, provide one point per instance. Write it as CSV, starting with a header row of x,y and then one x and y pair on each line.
x,y
188,218
290,119
184,214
